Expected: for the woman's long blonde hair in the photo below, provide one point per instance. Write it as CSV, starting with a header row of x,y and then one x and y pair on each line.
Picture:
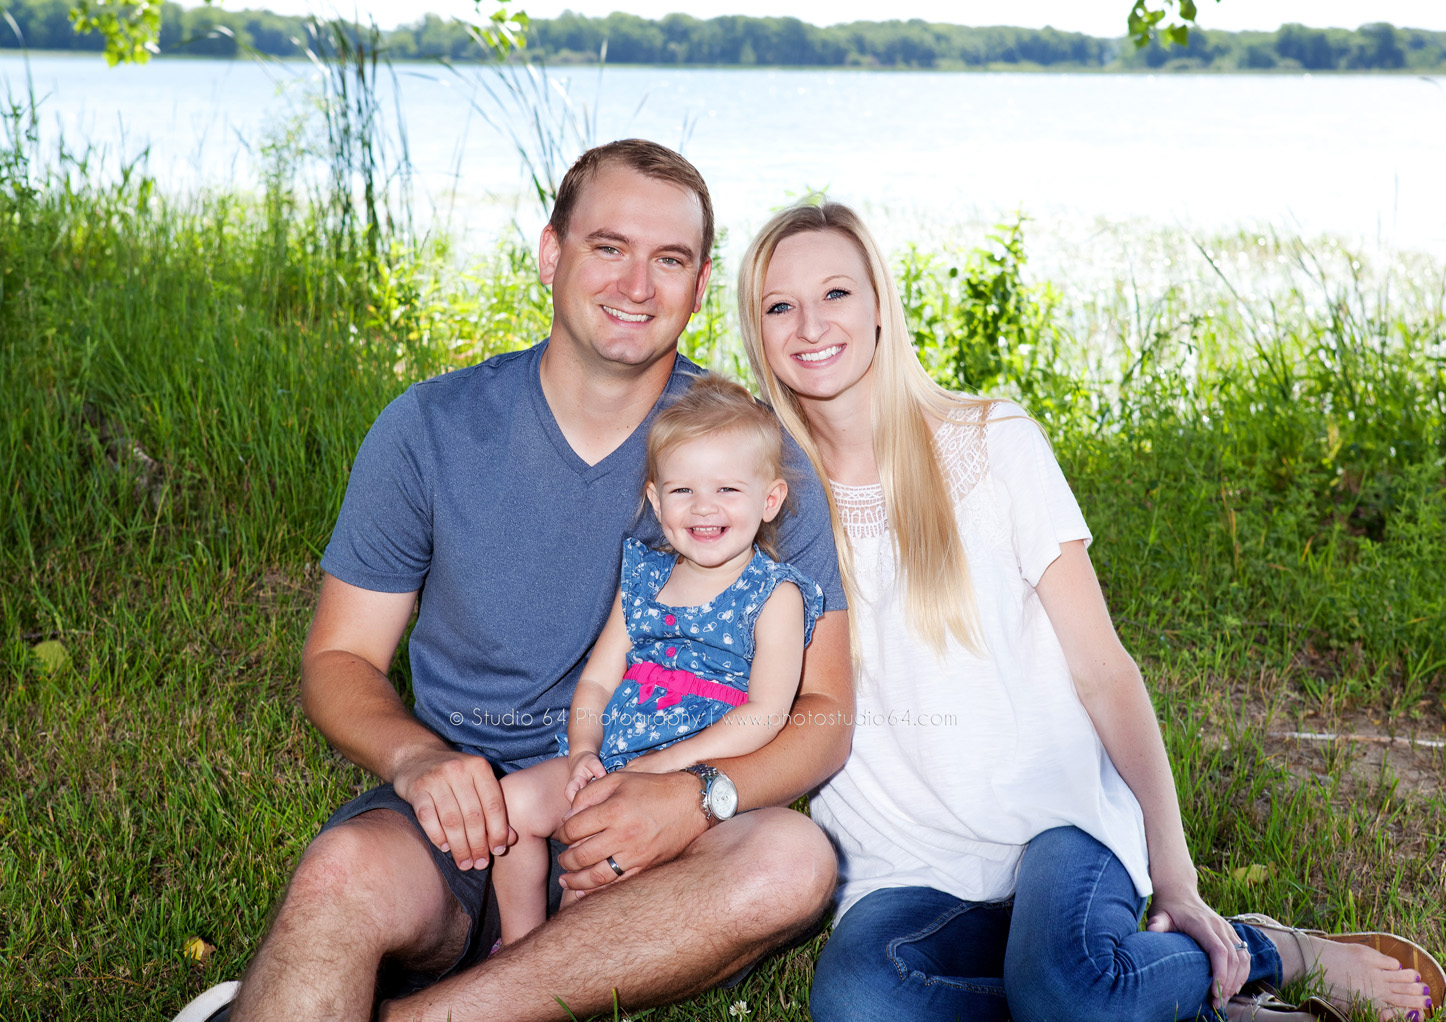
x,y
917,496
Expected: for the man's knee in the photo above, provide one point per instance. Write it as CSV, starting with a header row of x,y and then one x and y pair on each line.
x,y
371,868
784,872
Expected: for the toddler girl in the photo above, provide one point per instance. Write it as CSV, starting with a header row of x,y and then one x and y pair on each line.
x,y
708,631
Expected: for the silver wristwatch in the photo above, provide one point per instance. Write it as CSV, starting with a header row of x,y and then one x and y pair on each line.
x,y
719,796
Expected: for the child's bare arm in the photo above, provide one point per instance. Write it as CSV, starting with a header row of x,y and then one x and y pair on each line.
x,y
772,684
600,678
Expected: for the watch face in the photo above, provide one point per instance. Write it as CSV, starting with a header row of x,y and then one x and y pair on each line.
x,y
723,797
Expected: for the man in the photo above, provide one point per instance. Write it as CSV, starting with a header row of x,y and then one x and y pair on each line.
x,y
507,488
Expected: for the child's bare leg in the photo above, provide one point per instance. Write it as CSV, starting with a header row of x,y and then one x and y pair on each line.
x,y
535,805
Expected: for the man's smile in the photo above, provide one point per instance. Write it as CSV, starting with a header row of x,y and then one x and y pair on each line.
x,y
627,317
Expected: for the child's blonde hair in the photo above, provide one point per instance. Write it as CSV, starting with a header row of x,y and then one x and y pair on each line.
x,y
716,405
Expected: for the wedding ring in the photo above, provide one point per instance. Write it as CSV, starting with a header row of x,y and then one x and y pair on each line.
x,y
619,870
1242,946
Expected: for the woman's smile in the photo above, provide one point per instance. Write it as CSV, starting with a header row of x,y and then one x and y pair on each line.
x,y
820,315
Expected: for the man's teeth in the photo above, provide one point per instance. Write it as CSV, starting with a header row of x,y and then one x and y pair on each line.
x,y
821,354
627,317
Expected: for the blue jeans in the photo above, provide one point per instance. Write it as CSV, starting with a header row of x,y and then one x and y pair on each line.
x,y
1068,948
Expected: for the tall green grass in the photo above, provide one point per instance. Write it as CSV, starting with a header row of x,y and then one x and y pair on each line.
x,y
1264,474
185,383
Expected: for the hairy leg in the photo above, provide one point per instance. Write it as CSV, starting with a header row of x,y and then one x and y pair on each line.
x,y
364,890
741,889
535,805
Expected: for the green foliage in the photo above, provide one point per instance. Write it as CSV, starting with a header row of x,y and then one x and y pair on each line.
x,y
130,31
189,381
1266,479
980,327
501,32
1143,22
130,28
680,39
184,362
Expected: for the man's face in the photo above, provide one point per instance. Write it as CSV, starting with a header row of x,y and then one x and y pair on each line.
x,y
630,271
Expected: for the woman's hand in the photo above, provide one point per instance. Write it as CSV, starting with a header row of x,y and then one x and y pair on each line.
x,y
1180,908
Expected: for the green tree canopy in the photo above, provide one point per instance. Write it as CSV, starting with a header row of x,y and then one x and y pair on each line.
x,y
132,30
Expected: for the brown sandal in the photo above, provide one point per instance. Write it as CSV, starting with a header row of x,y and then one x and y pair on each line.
x,y
1410,954
1263,996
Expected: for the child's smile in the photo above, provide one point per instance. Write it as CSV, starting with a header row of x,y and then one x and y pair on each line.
x,y
711,496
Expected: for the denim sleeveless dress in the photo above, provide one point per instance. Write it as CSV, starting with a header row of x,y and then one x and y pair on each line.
x,y
688,665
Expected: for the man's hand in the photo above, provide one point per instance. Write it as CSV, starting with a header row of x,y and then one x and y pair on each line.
x,y
638,819
458,803
585,768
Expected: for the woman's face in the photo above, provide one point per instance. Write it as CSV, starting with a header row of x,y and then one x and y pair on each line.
x,y
820,316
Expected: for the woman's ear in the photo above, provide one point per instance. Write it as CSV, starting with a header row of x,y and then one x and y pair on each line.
x,y
773,502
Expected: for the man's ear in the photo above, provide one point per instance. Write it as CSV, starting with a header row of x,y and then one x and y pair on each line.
x,y
773,502
549,248
704,272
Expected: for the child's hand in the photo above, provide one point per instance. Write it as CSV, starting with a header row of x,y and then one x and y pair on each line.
x,y
585,767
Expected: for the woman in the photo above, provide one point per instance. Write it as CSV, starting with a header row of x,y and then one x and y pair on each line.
x,y
1008,807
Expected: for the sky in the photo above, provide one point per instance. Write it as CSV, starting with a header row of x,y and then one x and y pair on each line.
x,y
1095,17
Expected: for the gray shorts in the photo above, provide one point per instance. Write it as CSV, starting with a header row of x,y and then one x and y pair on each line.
x,y
472,888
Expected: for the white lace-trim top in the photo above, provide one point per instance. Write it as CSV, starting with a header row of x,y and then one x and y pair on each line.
x,y
961,452
958,761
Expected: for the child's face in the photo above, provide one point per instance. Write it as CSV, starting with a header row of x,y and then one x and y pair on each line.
x,y
711,495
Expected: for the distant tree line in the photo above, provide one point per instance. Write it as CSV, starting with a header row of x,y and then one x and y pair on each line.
x,y
742,41
200,31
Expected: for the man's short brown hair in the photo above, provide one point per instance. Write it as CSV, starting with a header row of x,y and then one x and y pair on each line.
x,y
647,158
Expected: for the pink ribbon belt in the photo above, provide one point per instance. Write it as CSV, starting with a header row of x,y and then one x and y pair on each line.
x,y
677,684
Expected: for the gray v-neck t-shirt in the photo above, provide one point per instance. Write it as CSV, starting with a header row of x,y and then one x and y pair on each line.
x,y
466,489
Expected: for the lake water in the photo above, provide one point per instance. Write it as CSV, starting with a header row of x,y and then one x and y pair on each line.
x,y
1360,157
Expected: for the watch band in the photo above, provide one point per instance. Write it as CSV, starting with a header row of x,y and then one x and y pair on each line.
x,y
719,797
705,774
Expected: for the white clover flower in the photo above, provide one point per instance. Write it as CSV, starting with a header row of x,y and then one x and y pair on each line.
x,y
739,1009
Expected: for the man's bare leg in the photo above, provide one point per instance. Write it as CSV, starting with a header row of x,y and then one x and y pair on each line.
x,y
364,889
741,889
